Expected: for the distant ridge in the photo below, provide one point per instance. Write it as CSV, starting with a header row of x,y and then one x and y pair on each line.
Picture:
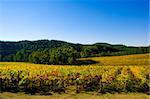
x,y
8,49
101,43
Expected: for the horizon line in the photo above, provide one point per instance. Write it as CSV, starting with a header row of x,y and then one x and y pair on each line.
x,y
76,42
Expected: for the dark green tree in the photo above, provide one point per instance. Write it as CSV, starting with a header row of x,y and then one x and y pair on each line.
x,y
22,56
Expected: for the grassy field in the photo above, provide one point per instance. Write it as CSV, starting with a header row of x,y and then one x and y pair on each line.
x,y
126,60
115,74
7,95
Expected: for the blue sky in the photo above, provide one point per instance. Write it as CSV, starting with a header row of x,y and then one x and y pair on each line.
x,y
77,21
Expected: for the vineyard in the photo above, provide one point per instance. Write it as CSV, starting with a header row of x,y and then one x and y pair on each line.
x,y
110,74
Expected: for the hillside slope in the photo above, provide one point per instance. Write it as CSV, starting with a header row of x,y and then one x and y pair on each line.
x,y
8,50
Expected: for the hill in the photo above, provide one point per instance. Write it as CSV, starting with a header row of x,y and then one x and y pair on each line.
x,y
21,50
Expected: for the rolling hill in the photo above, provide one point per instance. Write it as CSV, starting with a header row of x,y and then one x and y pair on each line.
x,y
8,49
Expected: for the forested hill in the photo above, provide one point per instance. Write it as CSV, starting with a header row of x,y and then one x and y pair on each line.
x,y
27,50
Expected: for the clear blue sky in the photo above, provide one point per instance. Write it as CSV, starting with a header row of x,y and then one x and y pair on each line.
x,y
77,21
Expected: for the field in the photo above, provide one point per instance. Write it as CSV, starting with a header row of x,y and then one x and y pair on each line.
x,y
126,60
115,74
7,95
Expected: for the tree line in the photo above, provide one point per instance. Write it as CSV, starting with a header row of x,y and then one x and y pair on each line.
x,y
60,52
